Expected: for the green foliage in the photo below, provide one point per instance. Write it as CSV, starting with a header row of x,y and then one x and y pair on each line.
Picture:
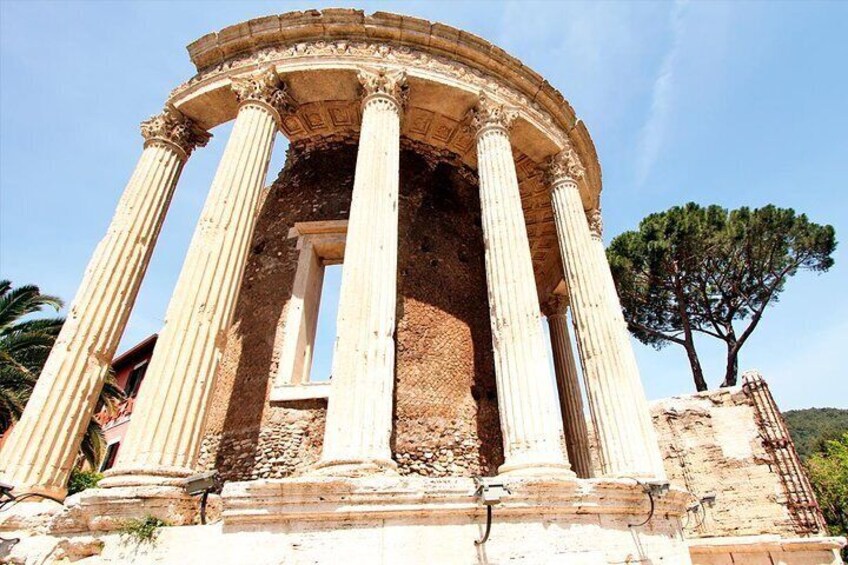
x,y
829,476
142,530
24,347
82,480
813,427
694,270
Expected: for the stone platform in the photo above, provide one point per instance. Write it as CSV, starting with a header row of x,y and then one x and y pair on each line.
x,y
385,519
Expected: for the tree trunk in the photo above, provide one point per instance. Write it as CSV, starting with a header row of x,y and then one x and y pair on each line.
x,y
695,364
732,369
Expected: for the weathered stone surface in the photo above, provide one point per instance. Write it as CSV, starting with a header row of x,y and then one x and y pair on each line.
x,y
445,399
712,443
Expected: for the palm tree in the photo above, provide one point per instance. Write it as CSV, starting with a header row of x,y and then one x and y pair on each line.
x,y
24,347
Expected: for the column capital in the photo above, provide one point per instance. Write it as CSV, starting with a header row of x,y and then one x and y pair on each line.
x,y
596,223
488,114
174,129
565,166
556,305
266,88
384,84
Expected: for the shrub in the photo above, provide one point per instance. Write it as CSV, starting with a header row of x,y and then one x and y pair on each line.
x,y
142,530
81,480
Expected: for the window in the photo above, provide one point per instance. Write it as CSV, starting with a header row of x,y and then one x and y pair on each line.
x,y
111,455
325,334
317,280
135,378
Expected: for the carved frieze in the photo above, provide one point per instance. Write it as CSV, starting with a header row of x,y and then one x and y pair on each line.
x,y
366,54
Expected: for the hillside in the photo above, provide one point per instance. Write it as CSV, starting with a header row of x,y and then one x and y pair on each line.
x,y
811,426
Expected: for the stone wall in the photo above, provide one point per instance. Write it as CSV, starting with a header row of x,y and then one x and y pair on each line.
x,y
713,442
446,418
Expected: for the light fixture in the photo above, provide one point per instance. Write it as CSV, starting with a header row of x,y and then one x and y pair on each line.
x,y
490,491
202,484
6,492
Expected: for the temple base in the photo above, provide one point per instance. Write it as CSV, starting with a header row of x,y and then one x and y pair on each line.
x,y
393,519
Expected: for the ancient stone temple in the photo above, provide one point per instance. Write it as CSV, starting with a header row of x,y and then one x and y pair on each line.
x,y
461,194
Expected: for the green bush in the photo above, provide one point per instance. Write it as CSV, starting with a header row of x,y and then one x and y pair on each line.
x,y
829,475
81,480
142,530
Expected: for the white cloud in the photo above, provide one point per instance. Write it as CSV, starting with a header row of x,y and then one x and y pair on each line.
x,y
654,130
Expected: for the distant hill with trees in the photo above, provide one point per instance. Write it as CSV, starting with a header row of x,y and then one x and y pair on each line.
x,y
812,427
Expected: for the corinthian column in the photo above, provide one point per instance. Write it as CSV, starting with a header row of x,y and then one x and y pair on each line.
x,y
40,452
531,428
359,415
570,398
163,440
628,445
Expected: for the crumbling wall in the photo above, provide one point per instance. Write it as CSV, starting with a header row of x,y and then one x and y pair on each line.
x,y
446,418
715,442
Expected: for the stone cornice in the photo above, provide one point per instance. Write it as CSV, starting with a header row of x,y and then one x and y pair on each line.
x,y
384,83
488,114
171,127
266,88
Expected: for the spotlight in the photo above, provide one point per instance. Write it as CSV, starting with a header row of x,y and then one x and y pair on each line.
x,y
202,484
656,487
490,491
6,492
708,499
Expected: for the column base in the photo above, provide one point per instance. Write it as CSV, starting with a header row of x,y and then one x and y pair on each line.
x,y
354,467
638,476
104,509
529,468
146,476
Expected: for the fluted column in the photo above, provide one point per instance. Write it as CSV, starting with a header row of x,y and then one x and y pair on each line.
x,y
163,440
531,429
41,449
620,415
359,415
570,398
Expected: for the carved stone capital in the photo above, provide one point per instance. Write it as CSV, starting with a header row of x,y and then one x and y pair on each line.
x,y
565,165
556,305
384,83
266,88
172,127
488,114
596,223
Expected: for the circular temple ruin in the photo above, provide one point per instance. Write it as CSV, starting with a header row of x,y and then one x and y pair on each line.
x,y
461,194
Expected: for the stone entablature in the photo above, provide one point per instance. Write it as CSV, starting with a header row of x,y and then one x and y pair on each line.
x,y
459,56
320,54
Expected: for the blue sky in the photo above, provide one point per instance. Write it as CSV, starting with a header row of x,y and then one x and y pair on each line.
x,y
727,103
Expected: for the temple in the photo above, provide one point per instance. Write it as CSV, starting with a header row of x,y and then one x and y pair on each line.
x,y
461,195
